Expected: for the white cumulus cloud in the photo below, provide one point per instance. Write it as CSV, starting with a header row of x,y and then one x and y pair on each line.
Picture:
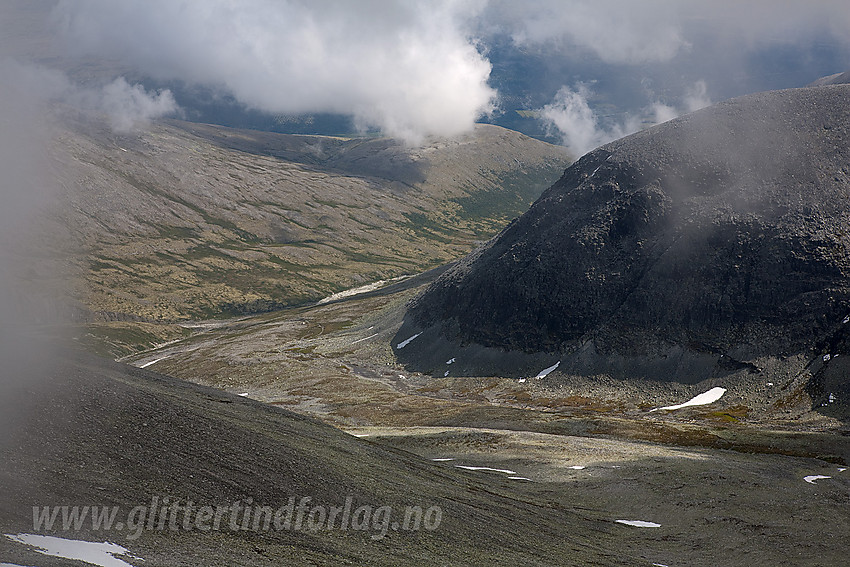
x,y
409,68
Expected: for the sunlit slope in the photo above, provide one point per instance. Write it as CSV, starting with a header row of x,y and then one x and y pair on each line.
x,y
192,221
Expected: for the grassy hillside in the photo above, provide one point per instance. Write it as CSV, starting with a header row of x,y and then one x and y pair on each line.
x,y
188,221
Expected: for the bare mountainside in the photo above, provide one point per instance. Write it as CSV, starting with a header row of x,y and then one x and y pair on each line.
x,y
82,431
188,221
710,245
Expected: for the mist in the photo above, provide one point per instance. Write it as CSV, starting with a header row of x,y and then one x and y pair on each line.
x,y
570,118
658,31
25,189
36,276
33,100
127,107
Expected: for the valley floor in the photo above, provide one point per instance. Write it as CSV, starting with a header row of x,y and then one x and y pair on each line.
x,y
723,484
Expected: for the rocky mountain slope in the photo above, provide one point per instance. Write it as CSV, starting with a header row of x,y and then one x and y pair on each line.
x,y
194,221
81,431
693,249
836,79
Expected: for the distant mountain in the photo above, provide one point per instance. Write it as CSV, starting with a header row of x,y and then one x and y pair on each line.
x,y
836,79
700,247
191,221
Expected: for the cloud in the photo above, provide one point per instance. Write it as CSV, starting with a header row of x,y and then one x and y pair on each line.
x,y
419,67
32,267
617,32
581,129
35,281
661,112
25,189
25,92
694,97
126,106
129,106
629,32
409,68
697,97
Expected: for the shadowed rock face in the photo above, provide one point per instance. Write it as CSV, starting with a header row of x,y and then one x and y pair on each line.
x,y
724,228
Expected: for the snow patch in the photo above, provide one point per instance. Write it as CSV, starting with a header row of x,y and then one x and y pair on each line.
x,y
638,523
450,361
826,357
518,478
578,467
506,471
406,342
831,398
102,554
443,459
521,380
358,290
545,372
708,397
244,394
365,338
446,373
146,364
812,478
841,469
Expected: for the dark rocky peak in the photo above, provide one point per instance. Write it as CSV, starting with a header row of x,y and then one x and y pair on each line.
x,y
722,231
